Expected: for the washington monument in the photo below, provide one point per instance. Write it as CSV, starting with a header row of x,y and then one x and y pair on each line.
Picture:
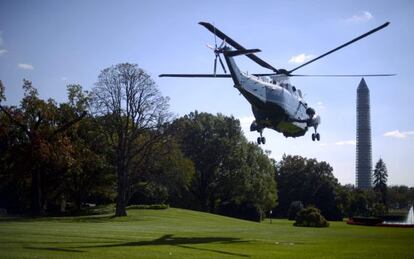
x,y
363,138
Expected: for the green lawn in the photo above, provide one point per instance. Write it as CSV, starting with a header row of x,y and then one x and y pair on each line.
x,y
177,233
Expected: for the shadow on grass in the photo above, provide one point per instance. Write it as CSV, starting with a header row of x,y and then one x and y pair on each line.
x,y
182,242
55,249
94,218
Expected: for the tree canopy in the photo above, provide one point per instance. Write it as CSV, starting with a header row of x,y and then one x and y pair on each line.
x,y
308,181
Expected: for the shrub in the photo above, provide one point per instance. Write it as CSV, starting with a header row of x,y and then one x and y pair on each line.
x,y
379,209
294,208
310,217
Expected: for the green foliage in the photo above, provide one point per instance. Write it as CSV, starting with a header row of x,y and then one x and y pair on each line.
x,y
380,180
310,217
364,203
379,209
135,114
232,176
57,165
294,208
309,181
359,204
166,172
400,197
149,193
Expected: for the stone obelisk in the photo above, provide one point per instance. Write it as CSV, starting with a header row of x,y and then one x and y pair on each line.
x,y
363,138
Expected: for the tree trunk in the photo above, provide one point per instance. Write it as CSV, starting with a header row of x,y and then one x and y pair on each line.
x,y
121,198
37,208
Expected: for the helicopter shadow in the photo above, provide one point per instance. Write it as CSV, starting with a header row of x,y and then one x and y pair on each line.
x,y
182,242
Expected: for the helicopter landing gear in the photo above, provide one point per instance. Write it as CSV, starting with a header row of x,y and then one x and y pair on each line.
x,y
316,137
261,139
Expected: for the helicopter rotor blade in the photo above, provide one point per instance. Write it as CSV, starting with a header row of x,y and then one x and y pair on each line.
x,y
222,65
367,75
215,64
196,75
325,75
223,43
342,46
209,46
228,75
334,75
237,46
215,37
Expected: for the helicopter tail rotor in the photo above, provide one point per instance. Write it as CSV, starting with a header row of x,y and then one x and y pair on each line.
x,y
218,49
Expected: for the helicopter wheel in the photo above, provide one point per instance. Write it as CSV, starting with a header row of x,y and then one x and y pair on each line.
x,y
318,137
261,140
313,137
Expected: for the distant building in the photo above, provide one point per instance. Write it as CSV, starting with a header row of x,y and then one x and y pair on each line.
x,y
363,138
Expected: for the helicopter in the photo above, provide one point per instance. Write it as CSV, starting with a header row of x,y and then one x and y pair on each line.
x,y
276,103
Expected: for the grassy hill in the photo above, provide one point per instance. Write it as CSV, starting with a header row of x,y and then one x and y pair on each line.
x,y
177,233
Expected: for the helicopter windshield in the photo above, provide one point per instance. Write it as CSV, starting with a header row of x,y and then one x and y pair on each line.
x,y
280,79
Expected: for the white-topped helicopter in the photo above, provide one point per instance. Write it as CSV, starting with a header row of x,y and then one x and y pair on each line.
x,y
276,103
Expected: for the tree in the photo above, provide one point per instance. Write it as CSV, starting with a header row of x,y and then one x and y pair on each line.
x,y
248,190
380,180
309,181
400,196
232,177
134,114
40,141
164,176
211,143
90,176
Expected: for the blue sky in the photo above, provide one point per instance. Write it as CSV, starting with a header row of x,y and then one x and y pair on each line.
x,y
54,43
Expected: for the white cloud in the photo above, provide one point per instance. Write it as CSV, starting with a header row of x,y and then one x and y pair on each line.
x,y
320,106
2,51
25,66
364,16
301,58
398,134
346,142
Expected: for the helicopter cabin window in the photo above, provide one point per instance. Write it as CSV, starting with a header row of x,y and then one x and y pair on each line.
x,y
293,88
300,93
